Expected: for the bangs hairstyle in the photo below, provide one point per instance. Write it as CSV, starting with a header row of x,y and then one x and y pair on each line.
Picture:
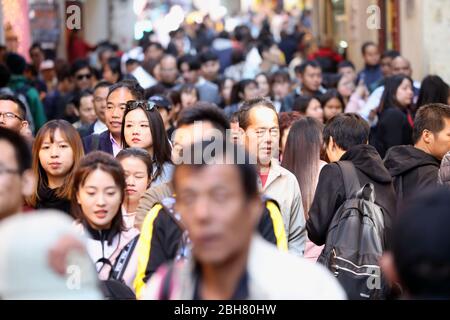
x,y
140,154
106,163
71,136
161,146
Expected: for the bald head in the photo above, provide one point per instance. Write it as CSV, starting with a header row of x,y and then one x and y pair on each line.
x,y
168,69
401,66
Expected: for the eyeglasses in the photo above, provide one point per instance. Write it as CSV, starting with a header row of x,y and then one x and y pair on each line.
x,y
146,105
83,76
9,116
260,132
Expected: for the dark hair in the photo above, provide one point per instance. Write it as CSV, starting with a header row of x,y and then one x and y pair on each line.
x,y
347,129
264,45
20,105
133,86
104,162
388,100
35,45
78,65
21,148
204,112
301,103
81,95
63,73
390,54
140,154
433,90
286,120
161,145
279,76
208,56
309,63
237,56
153,44
114,65
102,84
229,153
5,75
247,106
239,88
331,94
430,117
346,64
366,45
188,88
192,61
174,97
301,156
15,63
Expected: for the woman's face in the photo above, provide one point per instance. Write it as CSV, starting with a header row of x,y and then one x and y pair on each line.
x,y
250,92
346,86
99,198
226,90
137,130
405,93
57,156
314,110
188,99
263,86
332,108
137,178
108,75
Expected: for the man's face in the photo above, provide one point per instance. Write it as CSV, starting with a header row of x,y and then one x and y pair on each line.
x,y
348,72
10,117
311,79
153,53
189,76
100,102
263,134
11,196
83,79
219,218
168,70
210,70
372,56
281,89
386,66
440,143
37,56
401,66
87,110
115,109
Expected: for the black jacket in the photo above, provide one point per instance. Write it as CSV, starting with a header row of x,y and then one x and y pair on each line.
x,y
49,200
330,192
104,143
393,129
412,170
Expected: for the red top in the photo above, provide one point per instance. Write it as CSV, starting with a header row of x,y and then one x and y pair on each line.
x,y
263,178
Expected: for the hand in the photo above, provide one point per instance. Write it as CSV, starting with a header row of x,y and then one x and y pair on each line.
x,y
57,255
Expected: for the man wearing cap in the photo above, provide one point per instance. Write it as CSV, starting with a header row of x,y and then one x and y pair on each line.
x,y
48,73
165,110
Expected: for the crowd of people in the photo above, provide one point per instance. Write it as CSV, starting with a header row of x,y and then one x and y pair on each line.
x,y
319,170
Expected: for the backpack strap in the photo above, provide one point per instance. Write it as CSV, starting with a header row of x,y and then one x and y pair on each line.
x,y
351,180
122,261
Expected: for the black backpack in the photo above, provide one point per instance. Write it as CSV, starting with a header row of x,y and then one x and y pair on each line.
x,y
355,240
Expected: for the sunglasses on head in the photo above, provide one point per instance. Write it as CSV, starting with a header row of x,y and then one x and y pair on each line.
x,y
82,76
146,105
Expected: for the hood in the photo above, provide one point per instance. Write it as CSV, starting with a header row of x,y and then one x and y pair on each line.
x,y
401,159
366,158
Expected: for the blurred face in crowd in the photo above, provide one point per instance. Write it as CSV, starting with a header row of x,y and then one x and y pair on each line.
x,y
136,178
314,110
108,74
311,79
405,93
189,76
37,56
263,129
100,102
438,144
250,92
348,72
104,56
332,108
386,66
137,130
87,110
165,116
14,187
210,70
281,89
219,218
56,156
115,109
263,86
83,79
272,55
188,99
153,53
401,66
99,198
371,55
226,91
168,70
11,117
346,86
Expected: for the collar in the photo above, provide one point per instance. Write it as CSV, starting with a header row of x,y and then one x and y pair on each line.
x,y
113,141
274,172
201,81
